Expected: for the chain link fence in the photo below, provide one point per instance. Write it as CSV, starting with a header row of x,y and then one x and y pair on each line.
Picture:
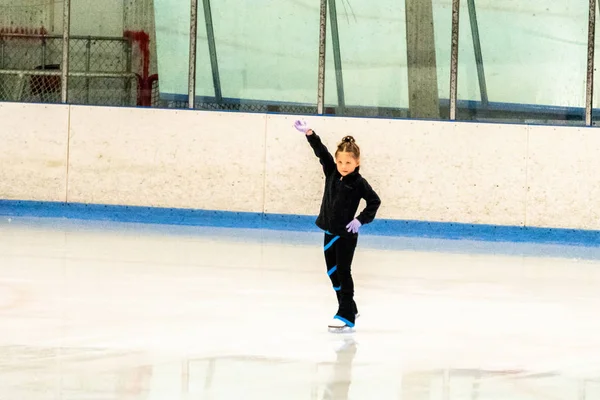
x,y
256,106
231,105
100,69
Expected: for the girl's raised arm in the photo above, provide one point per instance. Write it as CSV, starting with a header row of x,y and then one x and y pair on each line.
x,y
318,147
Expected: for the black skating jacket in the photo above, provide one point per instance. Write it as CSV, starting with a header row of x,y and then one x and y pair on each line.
x,y
342,195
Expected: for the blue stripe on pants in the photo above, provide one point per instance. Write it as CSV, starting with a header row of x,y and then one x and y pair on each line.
x,y
331,242
344,320
332,270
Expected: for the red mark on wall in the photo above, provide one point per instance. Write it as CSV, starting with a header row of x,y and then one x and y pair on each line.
x,y
145,80
142,39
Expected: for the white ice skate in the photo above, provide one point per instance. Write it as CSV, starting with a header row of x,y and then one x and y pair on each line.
x,y
340,325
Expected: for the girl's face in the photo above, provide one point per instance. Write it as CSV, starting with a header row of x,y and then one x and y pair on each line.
x,y
346,163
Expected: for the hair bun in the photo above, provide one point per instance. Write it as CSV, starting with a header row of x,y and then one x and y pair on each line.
x,y
348,139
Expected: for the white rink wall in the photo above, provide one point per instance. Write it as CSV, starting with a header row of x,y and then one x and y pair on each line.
x,y
166,158
33,152
514,175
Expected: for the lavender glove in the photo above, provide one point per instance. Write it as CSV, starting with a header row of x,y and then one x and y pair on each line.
x,y
353,226
301,126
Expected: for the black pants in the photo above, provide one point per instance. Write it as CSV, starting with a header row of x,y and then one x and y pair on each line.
x,y
339,252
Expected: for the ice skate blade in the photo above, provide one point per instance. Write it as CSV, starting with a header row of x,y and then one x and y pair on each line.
x,y
344,329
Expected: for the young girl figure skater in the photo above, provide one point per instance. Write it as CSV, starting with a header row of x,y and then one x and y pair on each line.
x,y
344,188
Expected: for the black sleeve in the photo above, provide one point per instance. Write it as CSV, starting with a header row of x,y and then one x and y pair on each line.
x,y
322,153
373,203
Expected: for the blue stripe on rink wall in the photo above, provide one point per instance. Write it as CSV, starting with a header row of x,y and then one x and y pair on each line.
x,y
229,219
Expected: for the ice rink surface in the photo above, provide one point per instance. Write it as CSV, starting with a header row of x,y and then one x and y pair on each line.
x,y
113,311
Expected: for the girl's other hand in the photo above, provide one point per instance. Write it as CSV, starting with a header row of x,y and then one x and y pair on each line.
x,y
353,226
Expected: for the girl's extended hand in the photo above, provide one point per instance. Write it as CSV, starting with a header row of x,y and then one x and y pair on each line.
x,y
301,126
